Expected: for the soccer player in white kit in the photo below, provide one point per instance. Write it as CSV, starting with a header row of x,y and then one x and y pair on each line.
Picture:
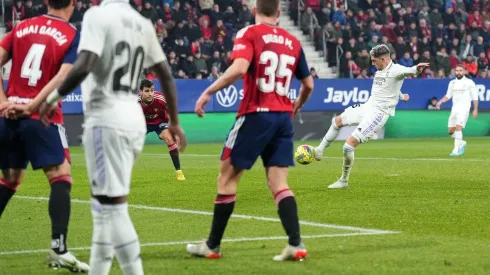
x,y
372,115
462,90
116,43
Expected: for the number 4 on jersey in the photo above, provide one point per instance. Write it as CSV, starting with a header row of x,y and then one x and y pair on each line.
x,y
31,68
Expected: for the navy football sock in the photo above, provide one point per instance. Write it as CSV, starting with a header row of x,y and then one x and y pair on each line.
x,y
223,208
59,211
5,195
288,213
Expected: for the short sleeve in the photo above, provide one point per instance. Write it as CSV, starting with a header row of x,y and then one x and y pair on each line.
x,y
155,52
92,37
243,47
71,54
449,92
7,41
302,70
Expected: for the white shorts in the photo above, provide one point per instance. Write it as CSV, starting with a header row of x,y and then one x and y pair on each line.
x,y
369,120
110,155
458,117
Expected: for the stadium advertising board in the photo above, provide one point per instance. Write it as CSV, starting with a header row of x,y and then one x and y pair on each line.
x,y
329,95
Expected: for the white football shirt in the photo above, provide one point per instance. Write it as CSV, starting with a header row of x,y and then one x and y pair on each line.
x,y
462,91
387,83
125,43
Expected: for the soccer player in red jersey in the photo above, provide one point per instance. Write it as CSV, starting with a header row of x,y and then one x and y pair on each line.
x,y
267,57
42,50
157,120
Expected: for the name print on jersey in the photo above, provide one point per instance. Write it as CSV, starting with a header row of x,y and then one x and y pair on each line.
x,y
44,30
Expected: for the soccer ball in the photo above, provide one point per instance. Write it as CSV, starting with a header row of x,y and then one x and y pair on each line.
x,y
304,154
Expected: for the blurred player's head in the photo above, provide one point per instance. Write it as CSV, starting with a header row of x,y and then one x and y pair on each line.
x,y
460,71
380,56
61,8
147,89
266,11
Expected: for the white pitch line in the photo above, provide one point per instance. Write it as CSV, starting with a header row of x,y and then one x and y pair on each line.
x,y
358,158
247,217
236,240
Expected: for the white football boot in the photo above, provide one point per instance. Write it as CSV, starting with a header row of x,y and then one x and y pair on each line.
x,y
318,153
338,184
202,250
292,253
67,261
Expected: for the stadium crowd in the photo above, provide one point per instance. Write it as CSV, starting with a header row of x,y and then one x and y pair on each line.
x,y
444,33
198,35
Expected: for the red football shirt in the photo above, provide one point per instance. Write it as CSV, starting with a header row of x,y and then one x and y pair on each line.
x,y
156,111
38,47
275,56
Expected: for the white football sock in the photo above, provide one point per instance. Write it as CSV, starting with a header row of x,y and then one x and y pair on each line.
x,y
125,241
348,162
458,138
330,136
102,251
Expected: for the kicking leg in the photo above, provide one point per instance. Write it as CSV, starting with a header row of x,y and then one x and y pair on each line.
x,y
288,213
329,137
223,208
173,151
8,185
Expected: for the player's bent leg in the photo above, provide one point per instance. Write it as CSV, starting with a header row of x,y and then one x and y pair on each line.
x,y
223,208
8,185
173,151
329,137
288,213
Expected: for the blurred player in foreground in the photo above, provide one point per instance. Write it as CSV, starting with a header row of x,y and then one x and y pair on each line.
x,y
116,43
154,107
462,90
42,49
372,115
266,57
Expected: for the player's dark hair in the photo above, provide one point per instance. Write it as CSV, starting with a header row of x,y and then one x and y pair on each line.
x,y
146,83
380,51
59,4
461,66
268,8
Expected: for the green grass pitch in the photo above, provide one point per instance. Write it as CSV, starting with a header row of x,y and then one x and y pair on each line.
x,y
409,209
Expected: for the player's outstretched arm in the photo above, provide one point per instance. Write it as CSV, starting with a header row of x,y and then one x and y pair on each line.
x,y
442,101
404,72
237,70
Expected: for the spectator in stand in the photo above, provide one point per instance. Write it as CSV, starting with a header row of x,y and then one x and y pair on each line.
x,y
470,65
363,74
424,14
206,30
437,45
206,6
466,48
475,17
189,12
229,18
29,10
217,62
412,30
374,42
427,73
216,15
435,18
454,45
485,32
219,31
482,63
77,15
189,67
181,49
177,14
454,59
307,20
198,76
352,47
194,33
214,74
149,12
339,15
443,62
18,13
348,68
244,16
363,60
200,64
440,74
384,40
479,47
400,46
181,75
406,61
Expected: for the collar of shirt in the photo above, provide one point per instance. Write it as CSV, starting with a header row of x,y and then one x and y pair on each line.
x,y
105,2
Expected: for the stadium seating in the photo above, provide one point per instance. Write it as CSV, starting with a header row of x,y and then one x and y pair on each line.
x,y
198,35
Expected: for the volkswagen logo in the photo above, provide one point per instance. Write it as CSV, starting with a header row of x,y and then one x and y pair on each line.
x,y
227,97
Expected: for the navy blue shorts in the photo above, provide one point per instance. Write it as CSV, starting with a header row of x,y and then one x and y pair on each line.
x,y
157,128
27,140
268,135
